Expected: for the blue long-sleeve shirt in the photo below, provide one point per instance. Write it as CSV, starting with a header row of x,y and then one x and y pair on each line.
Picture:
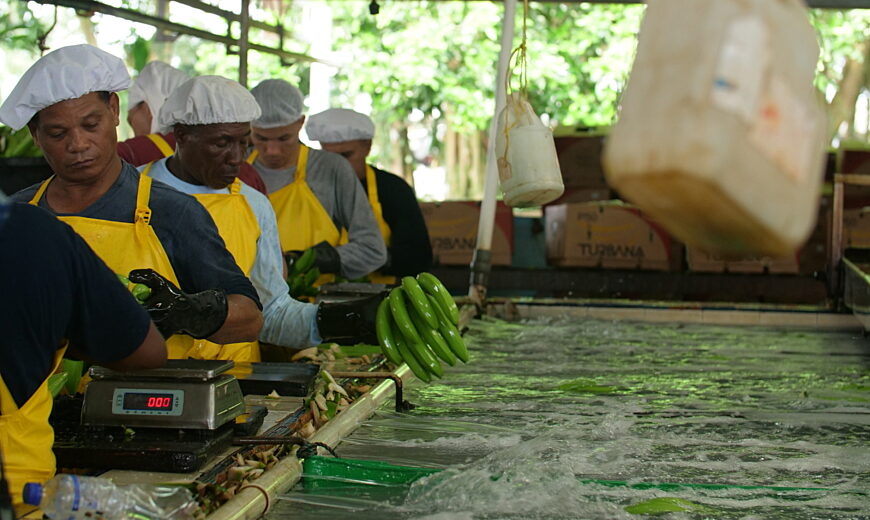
x,y
287,322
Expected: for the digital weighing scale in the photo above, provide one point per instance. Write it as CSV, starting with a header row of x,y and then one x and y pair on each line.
x,y
168,419
186,393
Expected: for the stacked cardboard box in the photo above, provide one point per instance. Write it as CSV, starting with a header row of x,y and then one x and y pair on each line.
x,y
580,161
610,235
452,229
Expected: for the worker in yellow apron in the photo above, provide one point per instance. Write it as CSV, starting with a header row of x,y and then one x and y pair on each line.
x,y
60,290
68,97
302,221
317,200
349,134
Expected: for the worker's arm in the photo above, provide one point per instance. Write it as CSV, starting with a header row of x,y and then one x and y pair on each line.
x,y
150,354
365,251
286,322
243,323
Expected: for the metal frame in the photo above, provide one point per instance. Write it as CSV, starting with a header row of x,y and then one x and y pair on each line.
x,y
835,251
241,45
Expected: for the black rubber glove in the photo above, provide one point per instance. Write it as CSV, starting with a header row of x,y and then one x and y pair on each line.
x,y
327,259
173,311
351,321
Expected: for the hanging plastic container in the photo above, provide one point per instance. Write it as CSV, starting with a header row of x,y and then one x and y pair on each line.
x,y
528,165
721,137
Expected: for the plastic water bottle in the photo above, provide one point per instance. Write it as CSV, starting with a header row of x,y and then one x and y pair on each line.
x,y
72,497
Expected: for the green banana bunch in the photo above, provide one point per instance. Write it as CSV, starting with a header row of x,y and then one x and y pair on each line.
x,y
17,144
140,291
302,275
416,324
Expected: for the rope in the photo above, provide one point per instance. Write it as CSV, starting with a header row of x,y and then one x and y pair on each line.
x,y
518,60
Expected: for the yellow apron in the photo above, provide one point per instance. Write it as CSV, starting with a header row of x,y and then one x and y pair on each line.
x,y
240,230
372,188
161,144
125,246
302,221
26,437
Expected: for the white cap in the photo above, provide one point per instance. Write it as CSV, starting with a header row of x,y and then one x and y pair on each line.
x,y
66,73
153,85
338,125
280,101
207,100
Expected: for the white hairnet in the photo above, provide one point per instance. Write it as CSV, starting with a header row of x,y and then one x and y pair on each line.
x,y
280,102
207,100
66,73
337,125
153,85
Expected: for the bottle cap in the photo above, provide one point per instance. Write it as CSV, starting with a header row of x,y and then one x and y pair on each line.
x,y
32,493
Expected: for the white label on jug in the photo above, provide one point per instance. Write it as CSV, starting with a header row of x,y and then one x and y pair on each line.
x,y
737,80
783,130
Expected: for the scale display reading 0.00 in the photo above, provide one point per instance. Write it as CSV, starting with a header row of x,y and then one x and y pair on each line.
x,y
142,401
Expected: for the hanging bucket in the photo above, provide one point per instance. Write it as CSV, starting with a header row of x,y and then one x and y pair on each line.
x,y
528,165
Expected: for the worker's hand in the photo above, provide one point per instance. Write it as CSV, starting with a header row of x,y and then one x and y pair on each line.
x,y
173,311
327,259
349,322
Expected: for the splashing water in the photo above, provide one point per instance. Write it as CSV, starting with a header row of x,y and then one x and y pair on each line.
x,y
549,411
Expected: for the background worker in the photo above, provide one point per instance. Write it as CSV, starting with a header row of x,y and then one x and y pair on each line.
x,y
394,203
317,199
147,94
211,116
163,238
57,297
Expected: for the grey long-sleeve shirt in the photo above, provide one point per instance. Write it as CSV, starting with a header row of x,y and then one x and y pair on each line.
x,y
335,185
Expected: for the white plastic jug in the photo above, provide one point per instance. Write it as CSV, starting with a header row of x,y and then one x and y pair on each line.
x,y
528,166
721,137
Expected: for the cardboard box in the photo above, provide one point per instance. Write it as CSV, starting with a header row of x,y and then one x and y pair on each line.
x,y
702,261
452,229
610,235
580,160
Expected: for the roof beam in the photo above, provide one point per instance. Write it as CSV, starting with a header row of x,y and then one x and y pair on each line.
x,y
166,25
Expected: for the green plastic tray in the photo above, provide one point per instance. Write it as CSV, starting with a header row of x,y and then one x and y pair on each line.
x,y
328,472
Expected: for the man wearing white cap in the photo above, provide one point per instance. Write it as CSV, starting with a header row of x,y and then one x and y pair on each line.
x,y
394,203
317,199
155,83
210,116
163,238
57,295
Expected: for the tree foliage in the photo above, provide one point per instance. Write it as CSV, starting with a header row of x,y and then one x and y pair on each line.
x,y
19,28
